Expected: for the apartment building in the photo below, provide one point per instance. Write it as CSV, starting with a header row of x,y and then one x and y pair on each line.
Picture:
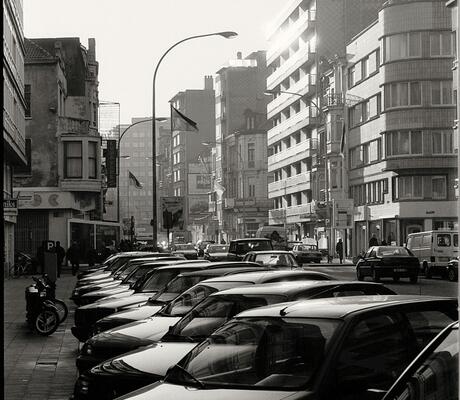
x,y
307,39
190,173
14,104
402,150
59,193
240,201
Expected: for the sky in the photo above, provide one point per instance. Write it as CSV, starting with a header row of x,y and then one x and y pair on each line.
x,y
132,35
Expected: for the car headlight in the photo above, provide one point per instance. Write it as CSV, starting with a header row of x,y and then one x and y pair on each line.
x,y
82,385
87,349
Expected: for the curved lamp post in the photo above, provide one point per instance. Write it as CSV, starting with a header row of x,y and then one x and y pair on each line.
x,y
154,223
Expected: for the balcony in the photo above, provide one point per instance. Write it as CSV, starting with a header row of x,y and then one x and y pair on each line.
x,y
293,154
414,162
290,185
305,117
300,57
304,87
73,126
282,40
333,100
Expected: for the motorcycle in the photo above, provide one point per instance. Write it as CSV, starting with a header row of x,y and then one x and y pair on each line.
x,y
44,311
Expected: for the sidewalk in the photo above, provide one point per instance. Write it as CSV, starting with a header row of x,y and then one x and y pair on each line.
x,y
37,367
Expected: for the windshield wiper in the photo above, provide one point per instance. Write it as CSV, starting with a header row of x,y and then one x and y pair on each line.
x,y
182,369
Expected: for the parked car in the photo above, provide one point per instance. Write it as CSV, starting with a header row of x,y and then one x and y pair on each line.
x,y
388,261
105,379
128,337
216,252
341,348
434,373
306,253
291,244
452,270
272,258
238,248
187,250
179,284
201,246
152,283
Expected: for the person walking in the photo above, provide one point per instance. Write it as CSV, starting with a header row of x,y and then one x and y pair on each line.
x,y
339,250
373,241
73,256
60,255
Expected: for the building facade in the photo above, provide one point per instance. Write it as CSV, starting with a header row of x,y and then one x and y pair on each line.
x,y
307,39
135,149
190,152
401,144
14,103
240,201
59,193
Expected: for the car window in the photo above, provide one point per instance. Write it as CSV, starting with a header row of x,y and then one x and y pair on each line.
x,y
392,251
426,324
455,240
375,352
426,240
443,239
437,377
186,301
372,254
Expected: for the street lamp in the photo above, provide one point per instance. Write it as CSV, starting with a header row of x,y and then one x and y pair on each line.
x,y
226,35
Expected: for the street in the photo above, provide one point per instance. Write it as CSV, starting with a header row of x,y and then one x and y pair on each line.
x,y
428,287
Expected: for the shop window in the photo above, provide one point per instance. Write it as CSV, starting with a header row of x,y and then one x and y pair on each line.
x,y
73,159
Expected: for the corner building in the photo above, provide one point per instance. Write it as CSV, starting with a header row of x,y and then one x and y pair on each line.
x,y
401,146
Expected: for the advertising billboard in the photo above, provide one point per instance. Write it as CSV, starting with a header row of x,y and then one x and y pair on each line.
x,y
172,213
199,183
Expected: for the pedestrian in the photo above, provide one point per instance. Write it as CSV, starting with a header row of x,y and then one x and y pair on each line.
x,y
384,243
91,256
60,255
73,256
339,250
373,241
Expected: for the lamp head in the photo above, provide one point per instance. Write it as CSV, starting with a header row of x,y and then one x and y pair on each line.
x,y
227,34
270,91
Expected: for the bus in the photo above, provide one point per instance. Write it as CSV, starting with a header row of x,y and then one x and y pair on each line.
x,y
434,249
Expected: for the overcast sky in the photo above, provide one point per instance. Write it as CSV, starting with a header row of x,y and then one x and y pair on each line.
x,y
132,35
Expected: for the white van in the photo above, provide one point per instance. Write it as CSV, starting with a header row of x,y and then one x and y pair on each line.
x,y
434,249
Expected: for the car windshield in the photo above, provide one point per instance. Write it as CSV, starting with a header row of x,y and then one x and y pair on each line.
x,y
392,251
307,247
218,249
187,300
129,267
117,263
247,246
158,280
214,312
180,284
137,273
185,247
275,259
264,353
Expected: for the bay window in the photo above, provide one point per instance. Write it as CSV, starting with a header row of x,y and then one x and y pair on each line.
x,y
441,93
92,160
73,159
403,94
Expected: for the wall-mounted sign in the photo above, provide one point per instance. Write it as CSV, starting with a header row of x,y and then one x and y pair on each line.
x,y
10,203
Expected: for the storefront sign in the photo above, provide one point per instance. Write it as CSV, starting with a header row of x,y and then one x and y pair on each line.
x,y
10,203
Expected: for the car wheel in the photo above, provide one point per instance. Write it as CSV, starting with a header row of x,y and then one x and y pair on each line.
x,y
451,275
359,276
375,276
413,279
395,278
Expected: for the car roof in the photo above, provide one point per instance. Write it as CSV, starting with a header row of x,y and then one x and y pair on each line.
x,y
211,272
291,288
269,252
137,253
338,307
250,240
186,265
217,266
257,277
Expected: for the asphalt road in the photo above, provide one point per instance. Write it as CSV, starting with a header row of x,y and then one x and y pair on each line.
x,y
430,287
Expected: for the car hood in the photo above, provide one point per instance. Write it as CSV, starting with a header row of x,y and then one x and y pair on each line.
x,y
153,328
168,391
156,358
95,276
135,312
117,303
108,291
106,284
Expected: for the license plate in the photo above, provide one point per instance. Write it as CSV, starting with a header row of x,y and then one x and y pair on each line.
x,y
400,269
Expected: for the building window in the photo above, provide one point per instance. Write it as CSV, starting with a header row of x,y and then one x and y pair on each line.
x,y
441,44
366,153
251,155
369,193
365,111
73,159
252,190
438,185
402,45
363,68
403,94
442,142
92,160
441,93
404,142
419,187
27,96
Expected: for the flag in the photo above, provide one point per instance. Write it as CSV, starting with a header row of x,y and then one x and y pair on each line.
x,y
133,180
179,122
342,140
219,188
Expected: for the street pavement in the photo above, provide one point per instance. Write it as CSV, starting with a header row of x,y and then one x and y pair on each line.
x,y
37,367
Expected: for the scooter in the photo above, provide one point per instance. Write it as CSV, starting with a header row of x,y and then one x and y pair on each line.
x,y
44,311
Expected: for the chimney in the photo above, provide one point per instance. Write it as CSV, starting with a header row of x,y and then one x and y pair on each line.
x,y
91,50
208,82
239,55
